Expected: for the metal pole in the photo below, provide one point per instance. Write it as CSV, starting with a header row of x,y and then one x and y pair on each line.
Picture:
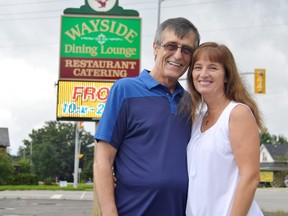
x,y
96,208
31,150
159,11
76,159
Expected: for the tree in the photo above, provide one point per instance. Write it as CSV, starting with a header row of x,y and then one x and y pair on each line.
x,y
267,138
52,148
6,168
24,166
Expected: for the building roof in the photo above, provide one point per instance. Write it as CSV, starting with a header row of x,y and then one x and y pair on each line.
x,y
275,166
278,152
4,137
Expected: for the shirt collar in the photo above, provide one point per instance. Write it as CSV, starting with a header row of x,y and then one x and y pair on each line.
x,y
150,82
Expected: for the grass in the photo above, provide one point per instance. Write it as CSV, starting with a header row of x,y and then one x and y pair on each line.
x,y
280,213
81,186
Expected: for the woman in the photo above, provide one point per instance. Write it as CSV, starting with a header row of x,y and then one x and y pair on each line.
x,y
223,152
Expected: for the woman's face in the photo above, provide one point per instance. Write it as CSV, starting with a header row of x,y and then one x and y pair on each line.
x,y
208,77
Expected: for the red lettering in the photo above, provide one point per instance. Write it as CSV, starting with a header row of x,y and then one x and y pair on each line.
x,y
89,91
103,93
78,91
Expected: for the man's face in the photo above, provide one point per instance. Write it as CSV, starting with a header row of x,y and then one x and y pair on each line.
x,y
173,56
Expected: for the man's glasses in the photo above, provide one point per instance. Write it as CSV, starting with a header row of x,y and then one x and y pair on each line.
x,y
172,47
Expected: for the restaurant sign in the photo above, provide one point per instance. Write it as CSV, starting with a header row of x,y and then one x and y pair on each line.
x,y
99,47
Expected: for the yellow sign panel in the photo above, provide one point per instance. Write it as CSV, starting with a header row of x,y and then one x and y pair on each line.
x,y
266,176
260,81
81,100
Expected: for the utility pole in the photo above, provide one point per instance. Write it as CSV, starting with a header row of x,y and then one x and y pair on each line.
x,y
31,162
96,208
159,11
31,150
76,159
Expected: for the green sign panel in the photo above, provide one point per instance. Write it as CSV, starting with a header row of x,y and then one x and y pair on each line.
x,y
99,47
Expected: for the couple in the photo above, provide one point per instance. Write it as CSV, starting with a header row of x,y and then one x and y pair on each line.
x,y
147,123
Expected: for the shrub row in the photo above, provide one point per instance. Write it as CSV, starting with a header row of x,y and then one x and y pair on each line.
x,y
23,179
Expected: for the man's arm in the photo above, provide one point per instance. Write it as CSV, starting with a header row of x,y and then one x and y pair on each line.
x,y
103,177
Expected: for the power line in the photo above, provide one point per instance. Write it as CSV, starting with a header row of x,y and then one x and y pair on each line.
x,y
58,1
29,18
246,27
29,3
186,4
223,29
29,45
207,2
31,12
199,3
129,4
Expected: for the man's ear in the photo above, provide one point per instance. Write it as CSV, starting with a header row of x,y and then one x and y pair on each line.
x,y
155,49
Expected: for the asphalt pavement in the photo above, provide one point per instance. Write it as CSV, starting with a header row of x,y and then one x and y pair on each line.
x,y
39,207
273,201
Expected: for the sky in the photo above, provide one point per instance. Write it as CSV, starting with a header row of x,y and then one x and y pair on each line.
x,y
256,31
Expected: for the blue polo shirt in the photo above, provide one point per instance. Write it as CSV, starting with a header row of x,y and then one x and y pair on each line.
x,y
140,120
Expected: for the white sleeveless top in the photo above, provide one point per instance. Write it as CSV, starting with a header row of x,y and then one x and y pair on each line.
x,y
212,169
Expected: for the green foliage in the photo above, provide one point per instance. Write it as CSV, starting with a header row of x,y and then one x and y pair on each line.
x,y
282,158
6,168
46,187
53,147
267,138
87,172
24,179
48,181
24,166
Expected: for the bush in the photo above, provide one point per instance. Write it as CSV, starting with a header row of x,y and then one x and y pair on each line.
x,y
48,181
6,168
24,179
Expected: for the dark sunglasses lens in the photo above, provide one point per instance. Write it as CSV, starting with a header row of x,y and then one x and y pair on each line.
x,y
174,47
171,47
187,50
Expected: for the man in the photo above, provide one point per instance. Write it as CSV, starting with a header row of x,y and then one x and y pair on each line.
x,y
143,135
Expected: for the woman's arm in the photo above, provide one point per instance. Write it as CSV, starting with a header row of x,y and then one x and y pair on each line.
x,y
244,137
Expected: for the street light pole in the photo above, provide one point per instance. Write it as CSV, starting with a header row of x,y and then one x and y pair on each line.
x,y
159,10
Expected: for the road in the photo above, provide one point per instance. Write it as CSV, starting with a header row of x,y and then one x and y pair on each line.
x,y
80,203
272,199
39,207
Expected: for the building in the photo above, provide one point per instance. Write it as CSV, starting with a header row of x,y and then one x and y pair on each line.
x,y
4,138
273,164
